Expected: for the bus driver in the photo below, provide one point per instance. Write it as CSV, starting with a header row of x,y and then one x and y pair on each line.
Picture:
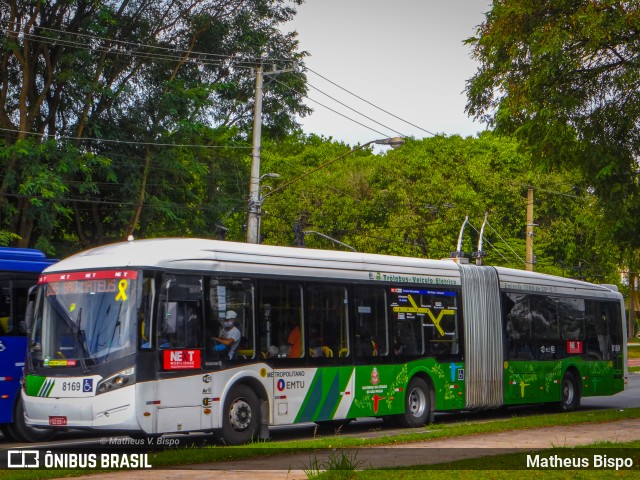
x,y
229,339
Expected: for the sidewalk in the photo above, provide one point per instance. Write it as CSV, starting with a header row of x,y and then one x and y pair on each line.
x,y
291,467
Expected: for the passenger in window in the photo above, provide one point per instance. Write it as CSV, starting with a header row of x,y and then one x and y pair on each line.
x,y
294,340
229,339
367,346
398,346
272,352
315,342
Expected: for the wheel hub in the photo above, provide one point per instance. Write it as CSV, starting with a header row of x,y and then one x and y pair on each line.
x,y
240,415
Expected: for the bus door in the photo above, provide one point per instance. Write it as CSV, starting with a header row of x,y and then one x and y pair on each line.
x,y
180,388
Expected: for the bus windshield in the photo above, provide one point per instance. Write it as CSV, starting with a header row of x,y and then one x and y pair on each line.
x,y
85,316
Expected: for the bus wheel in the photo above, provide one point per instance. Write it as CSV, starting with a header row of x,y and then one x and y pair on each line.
x,y
21,432
418,410
241,416
570,393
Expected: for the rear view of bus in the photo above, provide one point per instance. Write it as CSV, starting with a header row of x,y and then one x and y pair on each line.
x,y
82,351
19,270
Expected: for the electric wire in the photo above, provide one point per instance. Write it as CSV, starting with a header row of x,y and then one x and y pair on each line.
x,y
508,246
350,108
331,109
221,59
125,142
94,38
368,102
491,245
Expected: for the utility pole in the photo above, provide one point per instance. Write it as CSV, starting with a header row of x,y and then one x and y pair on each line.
x,y
254,182
530,225
255,201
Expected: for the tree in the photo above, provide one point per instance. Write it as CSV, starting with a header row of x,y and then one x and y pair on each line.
x,y
418,209
564,77
100,97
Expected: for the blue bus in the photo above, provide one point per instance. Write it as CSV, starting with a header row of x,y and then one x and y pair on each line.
x,y
19,271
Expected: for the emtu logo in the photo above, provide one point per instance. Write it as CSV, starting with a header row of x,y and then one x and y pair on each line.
x,y
23,459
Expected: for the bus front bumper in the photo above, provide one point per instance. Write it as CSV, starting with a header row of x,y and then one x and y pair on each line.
x,y
109,411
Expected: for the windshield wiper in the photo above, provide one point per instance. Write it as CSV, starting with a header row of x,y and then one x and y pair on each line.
x,y
117,326
78,335
81,339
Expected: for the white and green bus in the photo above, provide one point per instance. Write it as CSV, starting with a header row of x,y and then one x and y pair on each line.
x,y
122,339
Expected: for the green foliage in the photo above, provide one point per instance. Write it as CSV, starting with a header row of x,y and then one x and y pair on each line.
x,y
342,464
412,202
563,76
137,116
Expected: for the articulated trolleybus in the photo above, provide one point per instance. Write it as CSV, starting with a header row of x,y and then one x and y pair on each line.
x,y
178,335
19,270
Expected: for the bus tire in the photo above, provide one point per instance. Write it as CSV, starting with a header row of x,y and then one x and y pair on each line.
x,y
241,416
418,408
570,393
21,432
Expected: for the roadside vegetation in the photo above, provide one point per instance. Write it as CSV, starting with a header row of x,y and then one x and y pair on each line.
x,y
216,453
634,352
498,466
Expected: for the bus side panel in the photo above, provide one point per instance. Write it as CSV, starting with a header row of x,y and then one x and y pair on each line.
x,y
379,390
326,392
449,385
532,381
12,355
179,404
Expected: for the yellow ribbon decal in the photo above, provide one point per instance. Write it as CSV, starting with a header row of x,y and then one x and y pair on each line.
x,y
122,290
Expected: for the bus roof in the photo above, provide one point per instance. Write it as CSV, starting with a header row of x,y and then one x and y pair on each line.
x,y
245,258
194,254
533,282
23,260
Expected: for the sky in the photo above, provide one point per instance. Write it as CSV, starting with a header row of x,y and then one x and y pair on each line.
x,y
404,56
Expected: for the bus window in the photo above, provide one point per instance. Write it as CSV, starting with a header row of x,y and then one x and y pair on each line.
x,y
517,325
442,324
144,312
611,310
5,306
231,300
180,312
370,314
545,333
571,312
596,324
407,313
328,321
280,320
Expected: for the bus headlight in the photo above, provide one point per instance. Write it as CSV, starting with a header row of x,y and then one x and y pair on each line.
x,y
119,380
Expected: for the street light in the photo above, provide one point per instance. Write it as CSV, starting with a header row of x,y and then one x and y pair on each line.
x,y
256,199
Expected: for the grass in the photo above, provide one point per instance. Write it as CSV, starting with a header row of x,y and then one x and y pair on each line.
x,y
203,455
507,466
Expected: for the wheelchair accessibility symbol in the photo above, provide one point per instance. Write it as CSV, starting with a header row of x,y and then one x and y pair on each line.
x,y
87,385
